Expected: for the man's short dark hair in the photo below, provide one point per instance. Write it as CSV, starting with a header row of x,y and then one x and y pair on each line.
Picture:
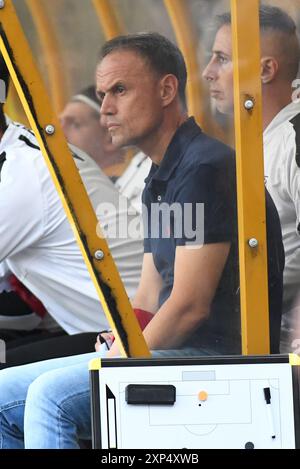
x,y
270,17
275,19
163,56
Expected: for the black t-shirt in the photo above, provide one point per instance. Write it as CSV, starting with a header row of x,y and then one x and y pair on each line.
x,y
190,200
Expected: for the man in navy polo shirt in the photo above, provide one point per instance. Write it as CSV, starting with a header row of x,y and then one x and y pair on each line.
x,y
189,274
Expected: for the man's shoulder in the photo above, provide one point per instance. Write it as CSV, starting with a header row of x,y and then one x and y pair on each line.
x,y
204,150
22,151
282,143
91,173
285,124
18,137
19,149
287,128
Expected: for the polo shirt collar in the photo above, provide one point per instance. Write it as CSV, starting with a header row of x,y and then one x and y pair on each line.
x,y
175,151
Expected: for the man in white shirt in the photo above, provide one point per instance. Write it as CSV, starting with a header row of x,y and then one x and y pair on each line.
x,y
37,243
281,123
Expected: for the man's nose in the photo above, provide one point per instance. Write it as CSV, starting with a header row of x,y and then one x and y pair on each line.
x,y
208,73
106,106
62,121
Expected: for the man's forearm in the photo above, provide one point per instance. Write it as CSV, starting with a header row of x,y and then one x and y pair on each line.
x,y
173,324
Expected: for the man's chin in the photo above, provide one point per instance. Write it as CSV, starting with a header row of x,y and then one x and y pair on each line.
x,y
117,142
223,108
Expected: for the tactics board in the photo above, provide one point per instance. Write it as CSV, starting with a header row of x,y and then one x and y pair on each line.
x,y
211,402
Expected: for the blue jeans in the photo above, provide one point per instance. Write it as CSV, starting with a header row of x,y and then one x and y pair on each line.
x,y
46,405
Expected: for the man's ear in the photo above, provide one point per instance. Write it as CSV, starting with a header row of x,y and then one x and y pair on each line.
x,y
168,89
268,69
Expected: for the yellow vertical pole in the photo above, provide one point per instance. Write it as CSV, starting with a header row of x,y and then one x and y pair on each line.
x,y
108,18
51,53
187,39
78,208
250,177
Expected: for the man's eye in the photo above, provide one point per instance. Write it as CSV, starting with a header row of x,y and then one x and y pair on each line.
x,y
223,60
120,89
100,97
76,125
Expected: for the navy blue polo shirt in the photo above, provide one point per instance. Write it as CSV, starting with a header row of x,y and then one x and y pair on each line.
x,y
189,200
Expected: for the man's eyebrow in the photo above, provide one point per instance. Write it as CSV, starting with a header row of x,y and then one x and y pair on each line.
x,y
69,118
111,88
220,52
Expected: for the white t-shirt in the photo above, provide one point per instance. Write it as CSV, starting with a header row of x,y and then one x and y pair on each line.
x,y
282,176
132,181
38,243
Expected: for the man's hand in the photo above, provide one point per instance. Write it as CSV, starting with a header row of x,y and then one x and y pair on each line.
x,y
113,351
107,337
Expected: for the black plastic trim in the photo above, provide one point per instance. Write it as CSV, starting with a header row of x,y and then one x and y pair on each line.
x,y
296,396
205,360
95,409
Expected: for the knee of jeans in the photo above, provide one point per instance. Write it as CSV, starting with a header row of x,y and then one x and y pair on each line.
x,y
10,387
48,388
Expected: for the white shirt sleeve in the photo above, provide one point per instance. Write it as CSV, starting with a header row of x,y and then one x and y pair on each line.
x,y
21,205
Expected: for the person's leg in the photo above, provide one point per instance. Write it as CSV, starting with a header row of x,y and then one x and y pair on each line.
x,y
57,411
14,385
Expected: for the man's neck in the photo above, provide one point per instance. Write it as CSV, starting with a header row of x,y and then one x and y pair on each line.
x,y
157,144
273,101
